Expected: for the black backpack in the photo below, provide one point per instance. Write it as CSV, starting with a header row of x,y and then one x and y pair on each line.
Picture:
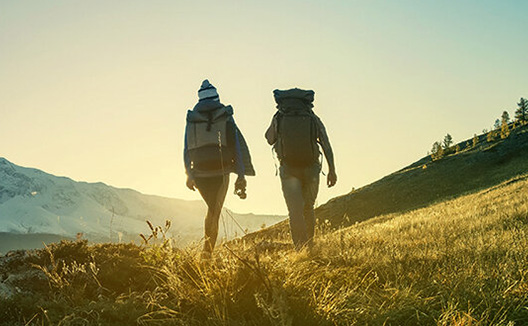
x,y
296,128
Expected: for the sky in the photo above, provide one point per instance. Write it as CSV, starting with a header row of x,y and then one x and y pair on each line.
x,y
98,90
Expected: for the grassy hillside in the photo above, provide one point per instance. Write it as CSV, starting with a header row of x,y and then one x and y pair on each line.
x,y
424,182
458,262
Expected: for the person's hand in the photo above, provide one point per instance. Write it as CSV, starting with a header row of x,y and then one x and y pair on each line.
x,y
331,179
240,183
240,187
190,183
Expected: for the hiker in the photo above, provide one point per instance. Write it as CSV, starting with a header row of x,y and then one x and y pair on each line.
x,y
214,147
296,133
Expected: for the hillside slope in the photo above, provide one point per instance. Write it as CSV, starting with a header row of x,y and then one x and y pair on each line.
x,y
425,182
458,262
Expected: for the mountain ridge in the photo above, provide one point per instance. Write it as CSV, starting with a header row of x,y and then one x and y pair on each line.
x,y
34,201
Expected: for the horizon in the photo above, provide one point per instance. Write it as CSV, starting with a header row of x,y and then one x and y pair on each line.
x,y
97,92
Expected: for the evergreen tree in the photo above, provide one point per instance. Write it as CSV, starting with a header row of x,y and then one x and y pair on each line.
x,y
448,141
497,125
505,118
505,129
521,114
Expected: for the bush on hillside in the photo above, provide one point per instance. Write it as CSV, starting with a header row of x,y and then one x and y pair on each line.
x,y
475,140
505,130
490,137
437,152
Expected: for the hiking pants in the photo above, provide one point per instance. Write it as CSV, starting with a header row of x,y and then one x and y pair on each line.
x,y
300,187
213,191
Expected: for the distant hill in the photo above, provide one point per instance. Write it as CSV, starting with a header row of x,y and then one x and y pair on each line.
x,y
424,182
46,207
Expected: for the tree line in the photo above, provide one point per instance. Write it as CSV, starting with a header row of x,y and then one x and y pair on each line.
x,y
502,128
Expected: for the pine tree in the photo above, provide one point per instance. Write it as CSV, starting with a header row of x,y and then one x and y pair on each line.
x,y
521,114
505,118
448,141
497,124
505,129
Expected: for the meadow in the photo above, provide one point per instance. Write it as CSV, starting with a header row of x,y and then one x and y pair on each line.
x,y
457,262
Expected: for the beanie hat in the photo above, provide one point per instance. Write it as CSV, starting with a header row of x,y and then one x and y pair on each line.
x,y
207,92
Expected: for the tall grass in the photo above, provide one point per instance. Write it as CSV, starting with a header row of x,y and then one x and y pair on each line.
x,y
460,262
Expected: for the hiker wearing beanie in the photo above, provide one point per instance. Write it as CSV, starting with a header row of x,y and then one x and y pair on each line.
x,y
296,134
214,147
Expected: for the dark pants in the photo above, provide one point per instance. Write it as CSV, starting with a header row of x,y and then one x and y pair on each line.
x,y
300,187
213,191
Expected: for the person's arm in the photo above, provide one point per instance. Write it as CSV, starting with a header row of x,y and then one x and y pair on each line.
x,y
240,183
187,162
239,161
322,138
271,133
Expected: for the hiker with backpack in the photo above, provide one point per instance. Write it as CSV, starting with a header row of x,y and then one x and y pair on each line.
x,y
296,134
214,147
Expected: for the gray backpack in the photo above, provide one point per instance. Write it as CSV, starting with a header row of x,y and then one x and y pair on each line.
x,y
296,126
208,142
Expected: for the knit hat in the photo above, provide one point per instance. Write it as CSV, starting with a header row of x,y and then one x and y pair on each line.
x,y
207,92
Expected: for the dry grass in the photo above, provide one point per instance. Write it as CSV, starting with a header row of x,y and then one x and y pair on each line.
x,y
460,262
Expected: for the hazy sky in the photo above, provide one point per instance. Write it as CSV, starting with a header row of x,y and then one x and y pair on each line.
x,y
98,90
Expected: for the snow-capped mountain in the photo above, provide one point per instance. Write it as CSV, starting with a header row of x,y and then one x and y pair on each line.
x,y
35,202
